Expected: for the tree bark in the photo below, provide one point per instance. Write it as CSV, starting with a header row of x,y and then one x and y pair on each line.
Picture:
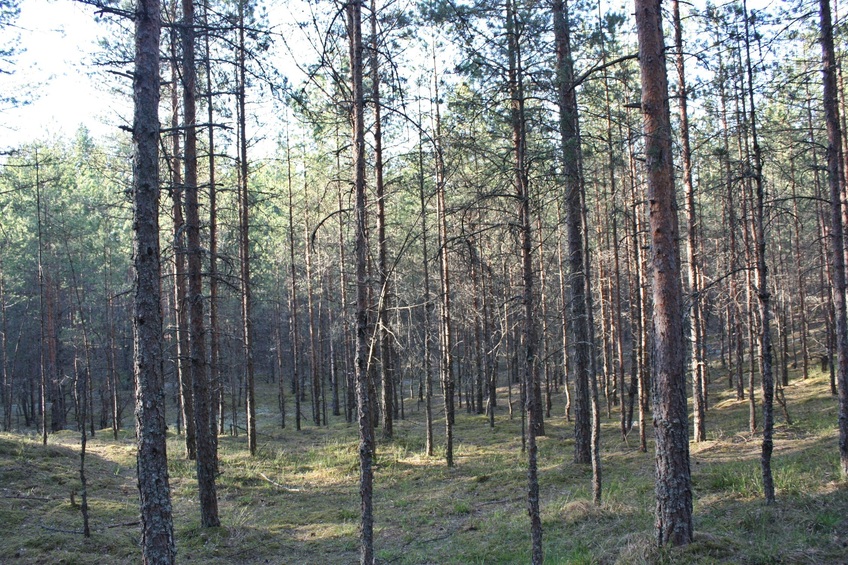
x,y
366,437
578,326
673,482
836,179
157,531
446,335
763,293
200,379
180,301
244,243
696,363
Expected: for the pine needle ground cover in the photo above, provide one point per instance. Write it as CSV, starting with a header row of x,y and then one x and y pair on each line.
x,y
297,500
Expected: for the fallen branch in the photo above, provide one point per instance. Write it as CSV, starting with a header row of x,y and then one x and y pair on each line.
x,y
504,501
136,523
278,485
61,530
24,497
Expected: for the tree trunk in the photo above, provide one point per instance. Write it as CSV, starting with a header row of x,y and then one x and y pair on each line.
x,y
836,179
314,354
45,373
564,324
218,402
763,294
579,327
81,395
200,379
428,309
735,317
157,530
244,243
366,437
387,370
295,334
673,483
446,335
696,364
7,374
180,302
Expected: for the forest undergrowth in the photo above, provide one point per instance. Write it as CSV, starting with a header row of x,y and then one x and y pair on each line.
x,y
297,501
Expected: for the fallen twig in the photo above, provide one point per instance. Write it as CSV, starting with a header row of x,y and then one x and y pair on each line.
x,y
278,485
61,530
136,523
24,497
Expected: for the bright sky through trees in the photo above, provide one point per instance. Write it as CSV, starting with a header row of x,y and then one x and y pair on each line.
x,y
52,74
56,74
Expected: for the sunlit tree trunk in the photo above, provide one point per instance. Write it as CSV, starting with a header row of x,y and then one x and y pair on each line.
x,y
673,483
698,404
244,241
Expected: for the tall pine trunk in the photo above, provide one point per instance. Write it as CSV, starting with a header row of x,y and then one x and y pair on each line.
x,y
200,379
366,434
578,321
763,293
445,333
836,178
673,482
696,364
244,242
180,299
157,530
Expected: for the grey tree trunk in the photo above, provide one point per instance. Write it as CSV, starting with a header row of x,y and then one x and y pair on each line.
x,y
763,293
578,321
244,246
366,434
157,530
445,327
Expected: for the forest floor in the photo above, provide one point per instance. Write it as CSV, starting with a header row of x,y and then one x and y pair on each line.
x,y
297,500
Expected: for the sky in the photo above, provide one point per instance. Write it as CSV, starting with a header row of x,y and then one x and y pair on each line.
x,y
58,38
59,42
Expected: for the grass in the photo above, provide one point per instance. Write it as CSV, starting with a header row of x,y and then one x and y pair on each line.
x,y
297,501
